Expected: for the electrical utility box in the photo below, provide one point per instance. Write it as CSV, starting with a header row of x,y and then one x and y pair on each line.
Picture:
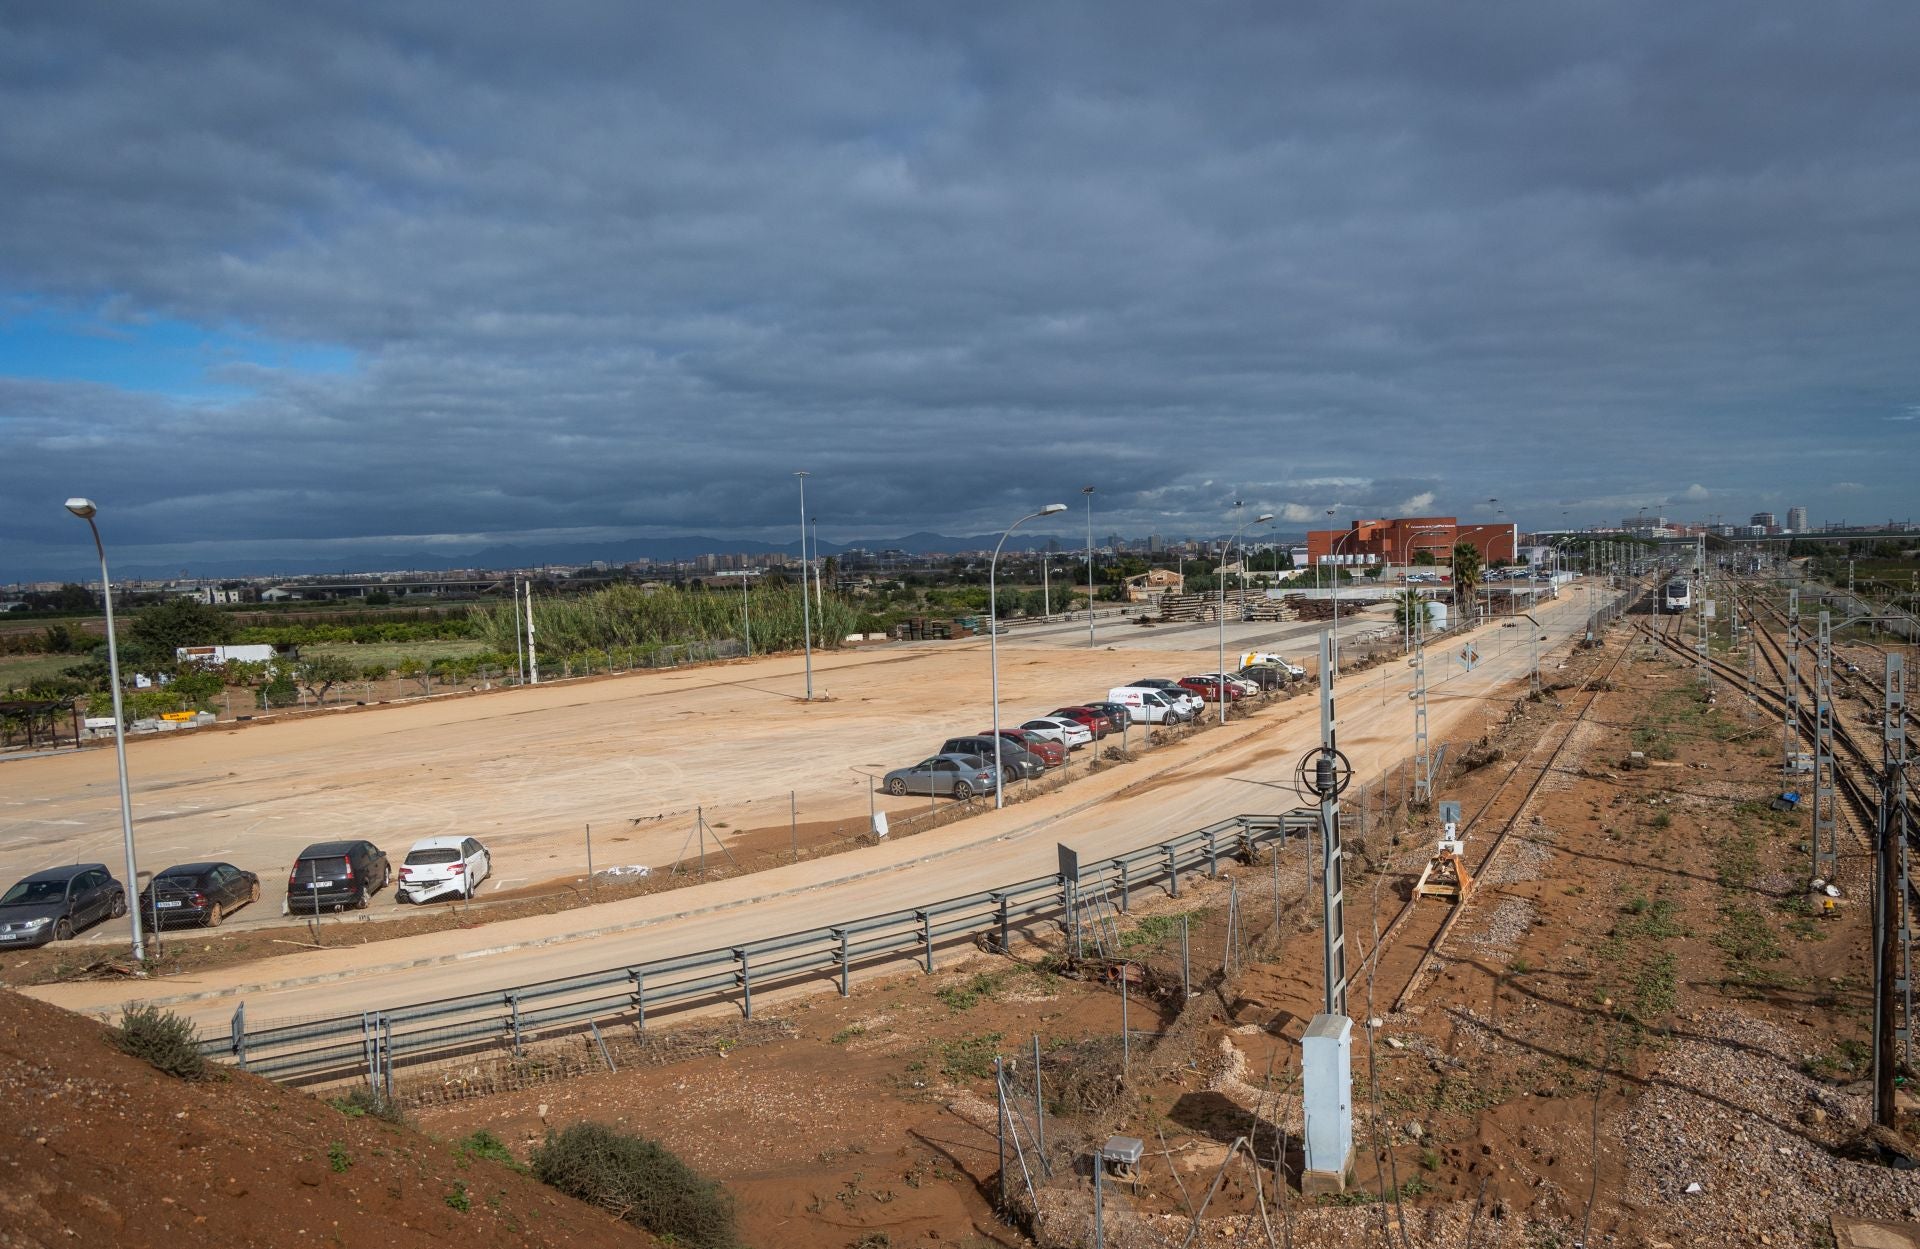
x,y
1326,1064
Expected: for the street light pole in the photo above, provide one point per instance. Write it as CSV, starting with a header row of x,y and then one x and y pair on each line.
x,y
993,642
1088,491
85,510
1220,576
806,607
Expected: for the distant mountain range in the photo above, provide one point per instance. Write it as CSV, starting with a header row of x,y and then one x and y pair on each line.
x,y
555,554
568,555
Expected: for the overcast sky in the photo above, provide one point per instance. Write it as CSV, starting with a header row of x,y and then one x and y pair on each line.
x,y
284,277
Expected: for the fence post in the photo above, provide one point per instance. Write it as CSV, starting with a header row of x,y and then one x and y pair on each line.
x,y
746,980
240,1034
926,937
1186,966
841,933
639,994
1001,898
1125,896
513,1005
386,1055
1173,871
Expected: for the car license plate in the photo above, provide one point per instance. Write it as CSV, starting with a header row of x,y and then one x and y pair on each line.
x,y
320,884
164,905
10,936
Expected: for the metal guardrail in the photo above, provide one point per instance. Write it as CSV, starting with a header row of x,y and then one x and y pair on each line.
x,y
370,1043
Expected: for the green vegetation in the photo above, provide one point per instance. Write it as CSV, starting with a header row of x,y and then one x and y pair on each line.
x,y
458,1198
484,1144
982,987
638,1180
635,624
338,1158
363,1101
162,1038
969,1057
1151,930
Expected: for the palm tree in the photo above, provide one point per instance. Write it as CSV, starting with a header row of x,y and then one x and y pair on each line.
x,y
1407,609
1466,573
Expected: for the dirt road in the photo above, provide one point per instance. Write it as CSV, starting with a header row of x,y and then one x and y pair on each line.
x,y
1245,767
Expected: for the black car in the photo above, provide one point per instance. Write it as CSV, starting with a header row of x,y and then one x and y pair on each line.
x,y
1117,714
57,903
334,875
1014,761
198,893
1266,676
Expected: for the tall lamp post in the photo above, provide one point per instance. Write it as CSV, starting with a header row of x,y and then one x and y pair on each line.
x,y
806,606
1088,492
85,509
1220,684
993,640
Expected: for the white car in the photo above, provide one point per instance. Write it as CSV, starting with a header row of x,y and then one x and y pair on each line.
x,y
1068,733
443,867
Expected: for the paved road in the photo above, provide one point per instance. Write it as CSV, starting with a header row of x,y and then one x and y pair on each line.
x,y
1246,767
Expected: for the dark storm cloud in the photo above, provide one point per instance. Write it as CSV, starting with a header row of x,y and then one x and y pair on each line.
x,y
623,268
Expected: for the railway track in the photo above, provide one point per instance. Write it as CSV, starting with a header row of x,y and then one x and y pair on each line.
x,y
1853,782
1537,773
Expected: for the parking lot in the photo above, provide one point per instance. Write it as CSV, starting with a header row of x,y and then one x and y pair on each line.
x,y
528,770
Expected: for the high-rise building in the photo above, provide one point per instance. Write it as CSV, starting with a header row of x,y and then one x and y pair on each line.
x,y
1797,519
1763,519
1155,544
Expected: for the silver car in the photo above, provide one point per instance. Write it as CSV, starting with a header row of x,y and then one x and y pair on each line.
x,y
956,776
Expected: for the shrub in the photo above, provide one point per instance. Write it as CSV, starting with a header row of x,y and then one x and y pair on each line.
x,y
638,1180
369,1103
484,1144
163,1039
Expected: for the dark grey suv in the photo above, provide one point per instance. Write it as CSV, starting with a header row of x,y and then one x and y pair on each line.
x,y
333,875
57,903
1016,763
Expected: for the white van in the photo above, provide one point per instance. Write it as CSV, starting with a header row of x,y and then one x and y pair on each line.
x,y
1148,706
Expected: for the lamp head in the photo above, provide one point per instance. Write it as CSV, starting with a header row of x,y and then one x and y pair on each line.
x,y
1263,518
1054,509
83,508
1086,490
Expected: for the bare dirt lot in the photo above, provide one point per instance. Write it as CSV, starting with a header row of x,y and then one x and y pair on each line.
x,y
1211,776
1638,1033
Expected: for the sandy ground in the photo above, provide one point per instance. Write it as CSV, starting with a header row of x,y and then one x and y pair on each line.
x,y
1245,767
528,770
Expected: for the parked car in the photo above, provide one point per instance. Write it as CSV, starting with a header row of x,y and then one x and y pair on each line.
x,y
334,875
1189,701
1151,706
1264,676
957,776
1209,689
1051,752
1016,761
54,904
1069,733
198,893
1116,713
1234,680
1094,722
443,867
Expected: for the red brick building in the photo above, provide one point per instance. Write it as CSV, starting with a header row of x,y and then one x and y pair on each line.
x,y
1399,540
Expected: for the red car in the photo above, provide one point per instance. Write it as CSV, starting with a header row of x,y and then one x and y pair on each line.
x,y
1051,753
1095,722
1209,691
